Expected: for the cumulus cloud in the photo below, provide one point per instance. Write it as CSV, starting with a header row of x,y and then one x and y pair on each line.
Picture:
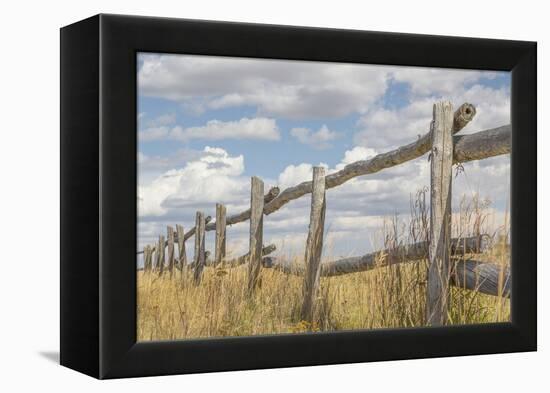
x,y
439,81
192,185
289,89
181,183
389,128
317,139
358,153
296,174
357,210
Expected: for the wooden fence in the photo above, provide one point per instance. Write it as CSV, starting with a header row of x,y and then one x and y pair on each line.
x,y
445,268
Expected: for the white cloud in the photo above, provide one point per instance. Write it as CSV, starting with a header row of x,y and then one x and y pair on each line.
x,y
358,153
296,174
391,128
193,185
300,90
437,81
356,210
160,163
290,89
245,128
318,140
257,128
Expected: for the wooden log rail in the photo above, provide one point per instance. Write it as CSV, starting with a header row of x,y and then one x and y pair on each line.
x,y
481,145
461,117
485,277
488,278
472,147
408,252
246,257
243,216
238,261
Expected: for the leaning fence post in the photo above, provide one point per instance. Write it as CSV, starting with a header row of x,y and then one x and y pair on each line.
x,y
171,260
440,214
314,244
220,233
182,257
199,257
157,258
160,253
147,258
256,231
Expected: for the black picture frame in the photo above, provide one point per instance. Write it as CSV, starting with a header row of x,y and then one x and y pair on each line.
x,y
98,195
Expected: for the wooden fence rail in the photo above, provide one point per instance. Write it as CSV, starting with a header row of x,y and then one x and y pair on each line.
x,y
472,147
444,269
388,256
485,277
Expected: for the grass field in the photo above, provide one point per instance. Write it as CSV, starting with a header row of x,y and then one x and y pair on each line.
x,y
385,297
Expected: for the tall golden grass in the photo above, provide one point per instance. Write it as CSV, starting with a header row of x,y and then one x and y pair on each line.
x,y
386,297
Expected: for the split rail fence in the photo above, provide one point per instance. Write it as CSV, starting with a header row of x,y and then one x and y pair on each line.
x,y
445,266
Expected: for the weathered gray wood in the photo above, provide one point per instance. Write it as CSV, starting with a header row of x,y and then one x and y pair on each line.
x,y
219,252
375,164
485,277
462,116
256,231
170,249
478,146
199,257
186,236
402,253
234,262
488,278
314,244
441,174
182,254
245,215
147,258
155,249
484,144
160,252
191,232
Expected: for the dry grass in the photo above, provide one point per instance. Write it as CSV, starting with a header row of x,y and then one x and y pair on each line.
x,y
386,297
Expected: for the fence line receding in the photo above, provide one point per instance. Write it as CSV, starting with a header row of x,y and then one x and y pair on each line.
x,y
445,266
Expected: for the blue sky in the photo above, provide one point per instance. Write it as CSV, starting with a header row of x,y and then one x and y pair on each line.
x,y
206,124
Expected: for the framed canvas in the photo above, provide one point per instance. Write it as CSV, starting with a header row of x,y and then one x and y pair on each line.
x,y
241,196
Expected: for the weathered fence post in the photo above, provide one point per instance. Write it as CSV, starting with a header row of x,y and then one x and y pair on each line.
x,y
199,257
182,257
314,245
440,215
171,259
147,258
160,254
256,231
156,266
220,233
